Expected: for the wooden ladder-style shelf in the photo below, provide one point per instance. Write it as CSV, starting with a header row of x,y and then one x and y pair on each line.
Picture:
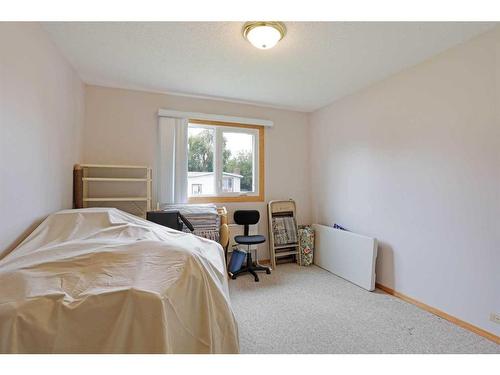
x,y
82,176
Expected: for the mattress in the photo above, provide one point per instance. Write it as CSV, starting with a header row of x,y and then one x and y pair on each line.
x,y
99,280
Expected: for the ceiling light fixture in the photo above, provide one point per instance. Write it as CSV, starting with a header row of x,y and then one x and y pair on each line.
x,y
264,34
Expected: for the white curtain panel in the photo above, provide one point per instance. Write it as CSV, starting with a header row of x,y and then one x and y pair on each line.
x,y
173,160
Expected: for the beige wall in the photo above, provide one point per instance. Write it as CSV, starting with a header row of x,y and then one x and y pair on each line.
x,y
121,127
415,161
41,116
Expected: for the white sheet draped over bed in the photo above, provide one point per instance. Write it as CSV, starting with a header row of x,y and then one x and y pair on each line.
x,y
102,281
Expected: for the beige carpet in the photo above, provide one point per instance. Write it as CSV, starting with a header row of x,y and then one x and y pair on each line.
x,y
309,310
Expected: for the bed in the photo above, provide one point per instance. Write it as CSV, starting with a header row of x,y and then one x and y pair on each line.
x,y
99,280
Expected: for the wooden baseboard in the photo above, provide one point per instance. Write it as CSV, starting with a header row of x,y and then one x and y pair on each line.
x,y
441,314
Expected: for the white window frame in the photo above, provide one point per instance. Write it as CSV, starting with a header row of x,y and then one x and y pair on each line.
x,y
218,166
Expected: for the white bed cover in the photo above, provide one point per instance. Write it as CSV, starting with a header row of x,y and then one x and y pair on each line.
x,y
99,280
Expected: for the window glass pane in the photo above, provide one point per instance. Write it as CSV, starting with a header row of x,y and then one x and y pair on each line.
x,y
201,178
237,162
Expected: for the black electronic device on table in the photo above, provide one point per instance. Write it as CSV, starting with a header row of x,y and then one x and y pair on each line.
x,y
169,218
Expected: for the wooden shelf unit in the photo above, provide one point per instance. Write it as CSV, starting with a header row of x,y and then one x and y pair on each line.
x,y
117,199
117,179
82,177
112,166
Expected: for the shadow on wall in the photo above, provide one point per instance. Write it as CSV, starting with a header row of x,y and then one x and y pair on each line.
x,y
385,265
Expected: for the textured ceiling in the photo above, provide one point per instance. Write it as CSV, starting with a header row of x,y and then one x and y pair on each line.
x,y
315,64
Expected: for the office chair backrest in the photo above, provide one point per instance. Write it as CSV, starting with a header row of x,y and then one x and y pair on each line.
x,y
246,218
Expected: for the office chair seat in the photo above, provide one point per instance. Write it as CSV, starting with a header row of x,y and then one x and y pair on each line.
x,y
250,240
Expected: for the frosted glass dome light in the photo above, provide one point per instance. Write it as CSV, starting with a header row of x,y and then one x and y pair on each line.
x,y
264,35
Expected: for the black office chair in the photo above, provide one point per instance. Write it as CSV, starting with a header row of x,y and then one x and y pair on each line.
x,y
246,218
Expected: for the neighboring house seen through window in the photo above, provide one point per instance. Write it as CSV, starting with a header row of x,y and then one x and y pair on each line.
x,y
196,189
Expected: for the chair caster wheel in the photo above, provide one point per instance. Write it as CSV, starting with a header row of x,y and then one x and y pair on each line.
x,y
268,272
256,279
233,277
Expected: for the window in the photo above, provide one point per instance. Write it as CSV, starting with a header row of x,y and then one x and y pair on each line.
x,y
225,162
